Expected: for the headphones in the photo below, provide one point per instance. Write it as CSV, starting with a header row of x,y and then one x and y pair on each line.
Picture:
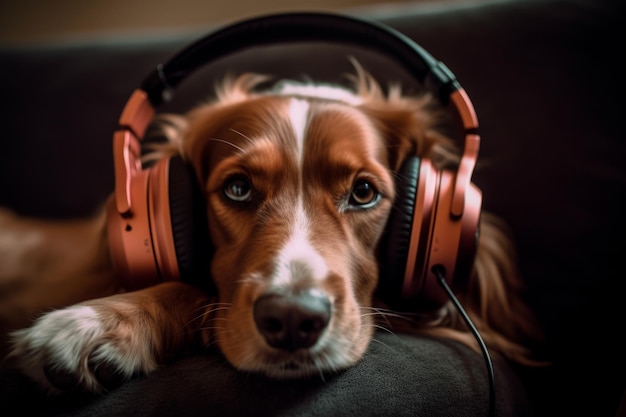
x,y
156,220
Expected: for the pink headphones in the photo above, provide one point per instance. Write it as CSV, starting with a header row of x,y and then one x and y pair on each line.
x,y
156,218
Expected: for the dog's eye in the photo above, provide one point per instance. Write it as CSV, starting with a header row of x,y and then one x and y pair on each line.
x,y
364,194
238,189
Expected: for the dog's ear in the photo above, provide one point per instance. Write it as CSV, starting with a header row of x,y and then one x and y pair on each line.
x,y
165,136
174,134
410,126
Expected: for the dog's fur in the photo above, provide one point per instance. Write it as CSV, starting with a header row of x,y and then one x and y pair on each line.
x,y
302,149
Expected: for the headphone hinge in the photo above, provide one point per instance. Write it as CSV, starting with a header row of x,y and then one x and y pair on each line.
x,y
464,175
126,160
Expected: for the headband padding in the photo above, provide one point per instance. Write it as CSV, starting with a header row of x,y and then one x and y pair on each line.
x,y
286,28
394,247
189,224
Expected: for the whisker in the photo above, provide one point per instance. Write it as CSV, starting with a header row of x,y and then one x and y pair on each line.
x,y
228,143
204,306
319,365
386,315
250,279
242,135
385,329
213,310
210,328
208,309
380,342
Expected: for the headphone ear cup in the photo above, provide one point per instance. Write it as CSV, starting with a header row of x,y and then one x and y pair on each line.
x,y
395,244
190,231
454,240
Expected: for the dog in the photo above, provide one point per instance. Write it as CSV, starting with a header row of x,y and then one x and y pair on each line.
x,y
298,181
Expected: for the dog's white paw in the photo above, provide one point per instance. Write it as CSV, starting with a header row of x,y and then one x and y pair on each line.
x,y
84,347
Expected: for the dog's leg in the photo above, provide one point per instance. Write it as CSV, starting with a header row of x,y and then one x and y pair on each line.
x,y
101,343
47,264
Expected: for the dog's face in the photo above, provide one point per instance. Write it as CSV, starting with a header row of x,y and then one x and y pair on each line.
x,y
299,184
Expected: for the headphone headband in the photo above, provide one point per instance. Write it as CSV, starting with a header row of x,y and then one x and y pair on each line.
x,y
434,75
301,27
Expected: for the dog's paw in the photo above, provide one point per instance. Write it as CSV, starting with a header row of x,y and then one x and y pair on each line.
x,y
88,348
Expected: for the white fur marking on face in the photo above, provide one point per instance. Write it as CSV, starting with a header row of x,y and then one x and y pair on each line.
x,y
298,260
299,115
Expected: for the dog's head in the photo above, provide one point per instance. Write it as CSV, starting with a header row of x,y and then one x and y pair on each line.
x,y
299,184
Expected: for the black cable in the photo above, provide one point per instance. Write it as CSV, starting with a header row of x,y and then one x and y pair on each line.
x,y
438,270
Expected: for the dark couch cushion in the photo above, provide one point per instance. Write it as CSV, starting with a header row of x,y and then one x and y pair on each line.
x,y
399,376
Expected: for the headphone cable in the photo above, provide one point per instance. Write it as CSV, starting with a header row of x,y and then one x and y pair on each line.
x,y
438,271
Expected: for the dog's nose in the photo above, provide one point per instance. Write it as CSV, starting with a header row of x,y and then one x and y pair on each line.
x,y
292,321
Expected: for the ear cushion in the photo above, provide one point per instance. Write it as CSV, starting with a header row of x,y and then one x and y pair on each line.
x,y
395,243
189,225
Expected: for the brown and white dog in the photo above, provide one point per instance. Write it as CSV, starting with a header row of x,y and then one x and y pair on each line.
x,y
299,184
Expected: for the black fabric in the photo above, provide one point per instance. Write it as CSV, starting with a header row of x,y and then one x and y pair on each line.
x,y
544,77
394,245
190,230
438,378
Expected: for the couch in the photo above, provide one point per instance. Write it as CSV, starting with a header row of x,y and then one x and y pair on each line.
x,y
546,80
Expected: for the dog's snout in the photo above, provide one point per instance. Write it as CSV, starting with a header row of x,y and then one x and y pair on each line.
x,y
292,321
